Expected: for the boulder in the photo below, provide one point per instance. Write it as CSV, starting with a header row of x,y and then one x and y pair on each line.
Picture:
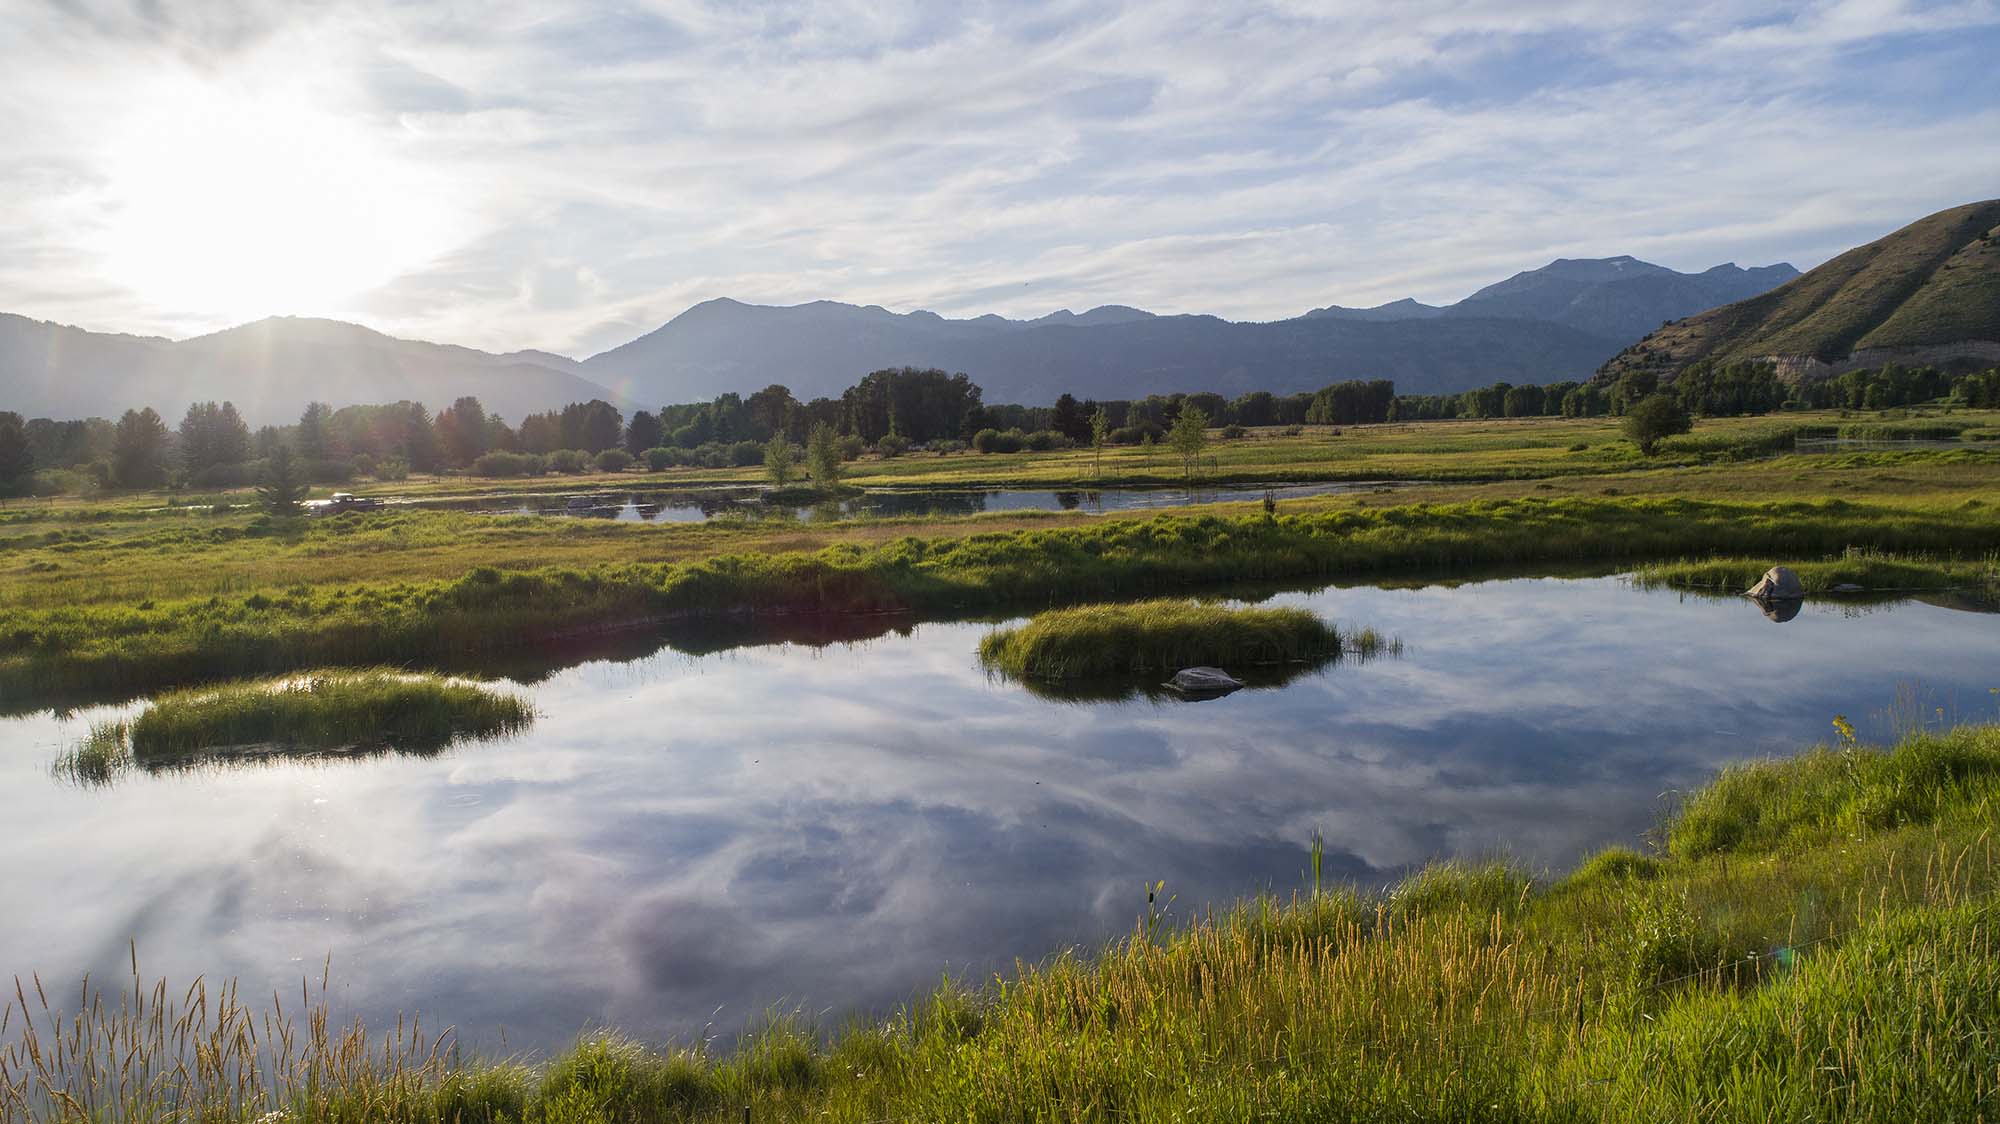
x,y
1848,587
1779,583
1203,681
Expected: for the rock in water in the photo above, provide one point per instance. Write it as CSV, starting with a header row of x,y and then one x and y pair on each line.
x,y
1203,681
1779,583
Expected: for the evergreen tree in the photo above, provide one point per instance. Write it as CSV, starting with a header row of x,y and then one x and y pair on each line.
x,y
641,433
139,450
282,487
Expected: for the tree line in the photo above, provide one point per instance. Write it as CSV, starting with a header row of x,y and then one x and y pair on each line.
x,y
890,410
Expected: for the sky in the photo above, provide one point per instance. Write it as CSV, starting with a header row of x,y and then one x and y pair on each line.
x,y
568,175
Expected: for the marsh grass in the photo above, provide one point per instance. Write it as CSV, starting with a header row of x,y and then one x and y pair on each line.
x,y
1872,570
317,711
1161,636
456,621
327,710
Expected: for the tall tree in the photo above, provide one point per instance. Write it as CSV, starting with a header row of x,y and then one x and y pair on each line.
x,y
642,433
213,437
823,455
1189,437
1069,419
1100,432
17,459
772,408
282,486
315,435
139,450
461,430
780,459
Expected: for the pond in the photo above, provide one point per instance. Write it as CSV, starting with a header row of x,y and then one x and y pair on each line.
x,y
698,505
683,841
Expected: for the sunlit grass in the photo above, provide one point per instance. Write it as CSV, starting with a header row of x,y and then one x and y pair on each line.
x,y
1162,636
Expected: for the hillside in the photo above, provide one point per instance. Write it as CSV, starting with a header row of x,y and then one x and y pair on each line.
x,y
269,368
1929,292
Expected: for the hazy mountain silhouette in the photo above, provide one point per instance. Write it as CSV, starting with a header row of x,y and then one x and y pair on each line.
x,y
1558,322
270,369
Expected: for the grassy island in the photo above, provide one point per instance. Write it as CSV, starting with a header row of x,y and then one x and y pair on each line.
x,y
1813,940
320,710
1094,641
1870,571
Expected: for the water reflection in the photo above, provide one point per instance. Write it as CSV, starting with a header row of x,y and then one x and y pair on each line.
x,y
698,505
836,825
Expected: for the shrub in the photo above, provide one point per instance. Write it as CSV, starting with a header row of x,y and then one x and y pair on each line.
x,y
570,461
1653,419
1136,434
508,464
393,468
851,447
614,460
893,445
999,441
659,458
743,454
1042,440
1233,432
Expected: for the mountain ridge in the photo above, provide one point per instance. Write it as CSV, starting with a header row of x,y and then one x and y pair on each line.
x,y
1536,326
1926,292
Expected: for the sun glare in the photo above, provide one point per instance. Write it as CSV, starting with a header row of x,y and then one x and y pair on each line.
x,y
232,203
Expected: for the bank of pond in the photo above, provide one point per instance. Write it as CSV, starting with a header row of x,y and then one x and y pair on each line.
x,y
1812,939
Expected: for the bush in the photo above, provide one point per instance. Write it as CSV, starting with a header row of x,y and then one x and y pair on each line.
x,y
999,441
614,460
329,471
663,458
225,476
508,464
743,454
362,464
946,446
1136,434
851,447
1653,419
570,461
394,468
1042,440
893,445
1233,432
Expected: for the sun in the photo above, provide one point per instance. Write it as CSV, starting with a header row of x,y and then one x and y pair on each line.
x,y
223,201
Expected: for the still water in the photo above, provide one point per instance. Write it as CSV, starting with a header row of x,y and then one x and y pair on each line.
x,y
685,840
695,506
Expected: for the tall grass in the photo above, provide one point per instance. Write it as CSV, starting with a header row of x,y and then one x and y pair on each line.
x,y
456,622
1095,641
321,710
1872,570
1788,956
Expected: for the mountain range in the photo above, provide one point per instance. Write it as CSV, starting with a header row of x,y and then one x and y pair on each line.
x,y
1557,322
1927,294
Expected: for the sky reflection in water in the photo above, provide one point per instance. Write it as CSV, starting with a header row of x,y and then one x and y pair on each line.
x,y
837,827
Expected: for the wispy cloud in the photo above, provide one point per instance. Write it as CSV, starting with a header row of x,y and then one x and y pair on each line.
x,y
564,174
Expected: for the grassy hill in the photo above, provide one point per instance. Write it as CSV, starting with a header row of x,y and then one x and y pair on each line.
x,y
1936,281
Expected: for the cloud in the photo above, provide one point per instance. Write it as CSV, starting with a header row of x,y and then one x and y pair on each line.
x,y
563,175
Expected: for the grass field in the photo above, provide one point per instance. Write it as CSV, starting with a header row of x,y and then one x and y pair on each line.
x,y
1813,940
115,596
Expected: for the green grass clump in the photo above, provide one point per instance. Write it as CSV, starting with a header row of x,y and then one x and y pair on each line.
x,y
326,710
1830,794
1870,569
1092,641
99,758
